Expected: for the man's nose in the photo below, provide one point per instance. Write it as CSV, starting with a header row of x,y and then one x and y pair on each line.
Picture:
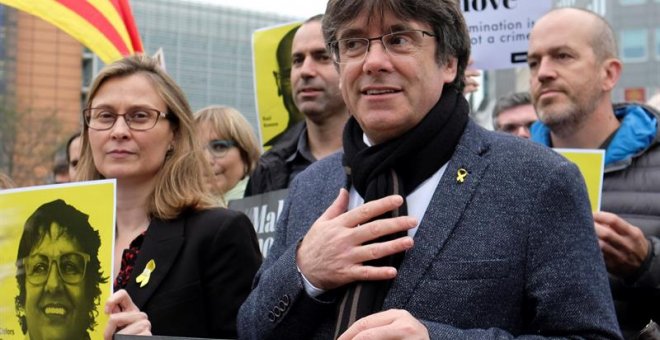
x,y
308,67
377,58
546,70
523,131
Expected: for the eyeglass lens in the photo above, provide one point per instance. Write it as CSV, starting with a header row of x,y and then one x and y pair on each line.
x,y
220,147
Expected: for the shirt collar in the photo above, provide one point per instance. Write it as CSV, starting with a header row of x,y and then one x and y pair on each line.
x,y
302,149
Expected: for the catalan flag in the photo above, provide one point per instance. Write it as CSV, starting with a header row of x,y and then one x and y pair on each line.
x,y
106,27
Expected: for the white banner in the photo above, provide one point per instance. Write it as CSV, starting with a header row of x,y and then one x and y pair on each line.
x,y
499,30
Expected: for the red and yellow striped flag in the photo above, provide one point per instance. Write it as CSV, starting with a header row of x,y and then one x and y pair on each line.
x,y
106,27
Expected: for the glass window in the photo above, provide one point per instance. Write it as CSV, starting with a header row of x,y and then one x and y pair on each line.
x,y
634,45
632,2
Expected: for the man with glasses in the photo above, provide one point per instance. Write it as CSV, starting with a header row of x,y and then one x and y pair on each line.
x,y
58,274
427,226
314,86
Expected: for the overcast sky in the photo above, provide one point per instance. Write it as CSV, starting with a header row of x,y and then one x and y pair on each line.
x,y
295,8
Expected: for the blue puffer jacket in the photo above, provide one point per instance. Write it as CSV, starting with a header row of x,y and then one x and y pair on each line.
x,y
631,189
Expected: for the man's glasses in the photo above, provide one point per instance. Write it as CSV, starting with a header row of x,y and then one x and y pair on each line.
x,y
71,267
219,147
141,119
354,50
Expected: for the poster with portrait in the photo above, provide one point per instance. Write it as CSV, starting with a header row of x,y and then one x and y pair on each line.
x,y
56,260
271,51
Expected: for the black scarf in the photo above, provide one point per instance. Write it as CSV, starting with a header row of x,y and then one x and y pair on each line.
x,y
397,166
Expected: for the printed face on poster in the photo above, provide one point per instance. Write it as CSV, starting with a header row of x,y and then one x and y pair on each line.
x,y
56,260
499,30
271,48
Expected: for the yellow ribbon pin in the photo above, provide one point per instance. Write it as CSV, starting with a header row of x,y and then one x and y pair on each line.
x,y
460,175
143,278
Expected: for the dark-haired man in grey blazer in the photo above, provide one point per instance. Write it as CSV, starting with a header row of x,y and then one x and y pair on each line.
x,y
426,226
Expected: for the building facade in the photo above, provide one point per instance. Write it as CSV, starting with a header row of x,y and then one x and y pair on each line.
x,y
40,79
207,49
45,74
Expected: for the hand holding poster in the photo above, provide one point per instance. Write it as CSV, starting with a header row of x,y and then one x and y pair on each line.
x,y
56,260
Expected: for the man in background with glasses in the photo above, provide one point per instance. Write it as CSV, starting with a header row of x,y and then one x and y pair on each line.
x,y
58,274
427,226
314,87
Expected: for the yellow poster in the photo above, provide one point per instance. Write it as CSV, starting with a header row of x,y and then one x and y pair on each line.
x,y
271,49
591,163
56,260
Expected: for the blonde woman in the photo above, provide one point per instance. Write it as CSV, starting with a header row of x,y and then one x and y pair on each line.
x,y
231,148
182,267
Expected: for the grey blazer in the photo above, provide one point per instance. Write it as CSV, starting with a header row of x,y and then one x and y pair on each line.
x,y
510,252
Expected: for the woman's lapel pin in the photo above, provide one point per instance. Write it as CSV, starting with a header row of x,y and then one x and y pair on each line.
x,y
143,278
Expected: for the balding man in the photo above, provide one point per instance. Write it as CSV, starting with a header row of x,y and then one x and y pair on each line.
x,y
574,67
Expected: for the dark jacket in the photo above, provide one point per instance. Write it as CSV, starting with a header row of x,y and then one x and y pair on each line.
x,y
511,251
205,262
631,189
272,171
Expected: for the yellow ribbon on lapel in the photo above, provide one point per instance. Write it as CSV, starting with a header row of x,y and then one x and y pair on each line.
x,y
143,278
461,174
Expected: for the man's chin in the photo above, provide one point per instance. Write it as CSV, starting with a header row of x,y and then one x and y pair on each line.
x,y
553,114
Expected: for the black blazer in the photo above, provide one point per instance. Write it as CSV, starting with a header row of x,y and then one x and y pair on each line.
x,y
205,263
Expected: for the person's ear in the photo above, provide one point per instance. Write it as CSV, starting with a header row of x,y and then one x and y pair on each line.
x,y
451,69
611,72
